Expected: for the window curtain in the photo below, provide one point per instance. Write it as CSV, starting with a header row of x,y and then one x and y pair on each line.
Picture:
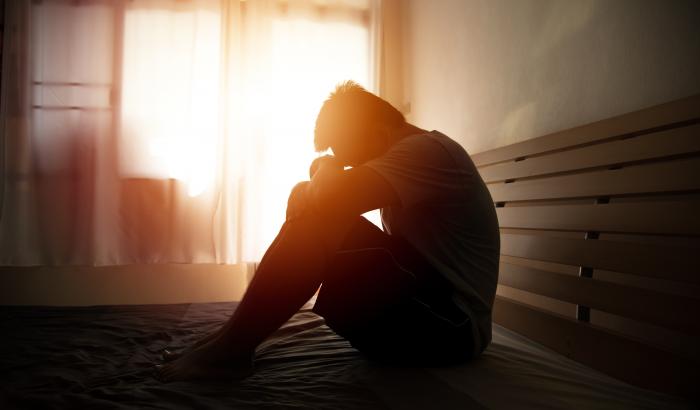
x,y
165,131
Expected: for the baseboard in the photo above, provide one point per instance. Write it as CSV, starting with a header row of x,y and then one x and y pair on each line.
x,y
122,285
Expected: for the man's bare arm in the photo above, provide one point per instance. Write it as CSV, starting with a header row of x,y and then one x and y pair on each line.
x,y
348,193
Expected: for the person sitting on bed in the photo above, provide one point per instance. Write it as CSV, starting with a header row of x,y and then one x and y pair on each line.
x,y
419,292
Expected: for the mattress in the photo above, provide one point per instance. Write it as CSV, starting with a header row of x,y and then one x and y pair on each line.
x,y
102,357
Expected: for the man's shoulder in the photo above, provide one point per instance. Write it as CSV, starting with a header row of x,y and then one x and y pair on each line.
x,y
429,148
422,142
433,140
449,143
449,148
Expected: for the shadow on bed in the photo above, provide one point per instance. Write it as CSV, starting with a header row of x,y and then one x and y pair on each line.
x,y
102,357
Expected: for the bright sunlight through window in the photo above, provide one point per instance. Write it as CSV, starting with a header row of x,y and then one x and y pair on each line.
x,y
189,94
171,93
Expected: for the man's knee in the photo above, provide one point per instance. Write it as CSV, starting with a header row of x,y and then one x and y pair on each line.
x,y
298,188
330,231
297,203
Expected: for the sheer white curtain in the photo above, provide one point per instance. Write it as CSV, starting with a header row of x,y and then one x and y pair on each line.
x,y
164,130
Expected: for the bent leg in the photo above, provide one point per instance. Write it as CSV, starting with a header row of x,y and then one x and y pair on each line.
x,y
287,276
391,304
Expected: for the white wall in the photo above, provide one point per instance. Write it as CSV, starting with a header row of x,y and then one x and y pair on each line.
x,y
489,73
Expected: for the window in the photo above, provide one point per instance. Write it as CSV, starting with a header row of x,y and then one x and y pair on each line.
x,y
197,114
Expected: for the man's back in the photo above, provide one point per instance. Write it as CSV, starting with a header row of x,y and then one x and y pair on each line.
x,y
447,214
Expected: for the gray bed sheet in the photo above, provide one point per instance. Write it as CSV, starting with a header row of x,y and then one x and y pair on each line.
x,y
102,357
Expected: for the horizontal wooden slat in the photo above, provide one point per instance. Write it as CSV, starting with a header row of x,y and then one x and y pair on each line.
x,y
543,302
622,357
671,176
632,302
678,218
673,142
672,112
664,338
678,263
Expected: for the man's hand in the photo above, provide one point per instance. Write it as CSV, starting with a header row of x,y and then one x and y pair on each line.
x,y
339,193
298,200
324,161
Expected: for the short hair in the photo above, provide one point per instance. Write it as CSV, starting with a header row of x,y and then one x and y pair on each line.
x,y
351,103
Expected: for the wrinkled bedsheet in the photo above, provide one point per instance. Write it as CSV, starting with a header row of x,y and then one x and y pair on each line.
x,y
101,357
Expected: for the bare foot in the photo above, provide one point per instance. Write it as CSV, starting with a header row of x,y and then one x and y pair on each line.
x,y
210,361
170,355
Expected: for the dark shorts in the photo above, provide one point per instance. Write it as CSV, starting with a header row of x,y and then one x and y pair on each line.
x,y
390,303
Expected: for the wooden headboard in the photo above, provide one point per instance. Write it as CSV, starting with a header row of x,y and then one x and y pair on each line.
x,y
600,243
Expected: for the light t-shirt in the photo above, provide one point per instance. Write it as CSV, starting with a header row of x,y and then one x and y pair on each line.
x,y
447,214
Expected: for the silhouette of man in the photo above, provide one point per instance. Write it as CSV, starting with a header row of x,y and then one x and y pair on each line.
x,y
419,292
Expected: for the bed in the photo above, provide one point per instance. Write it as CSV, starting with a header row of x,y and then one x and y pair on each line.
x,y
597,304
101,357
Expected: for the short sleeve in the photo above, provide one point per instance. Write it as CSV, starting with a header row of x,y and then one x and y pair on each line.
x,y
421,171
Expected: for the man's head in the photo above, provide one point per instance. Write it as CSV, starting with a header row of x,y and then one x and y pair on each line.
x,y
355,124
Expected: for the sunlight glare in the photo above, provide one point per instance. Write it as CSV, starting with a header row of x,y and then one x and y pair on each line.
x,y
309,58
172,88
170,96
